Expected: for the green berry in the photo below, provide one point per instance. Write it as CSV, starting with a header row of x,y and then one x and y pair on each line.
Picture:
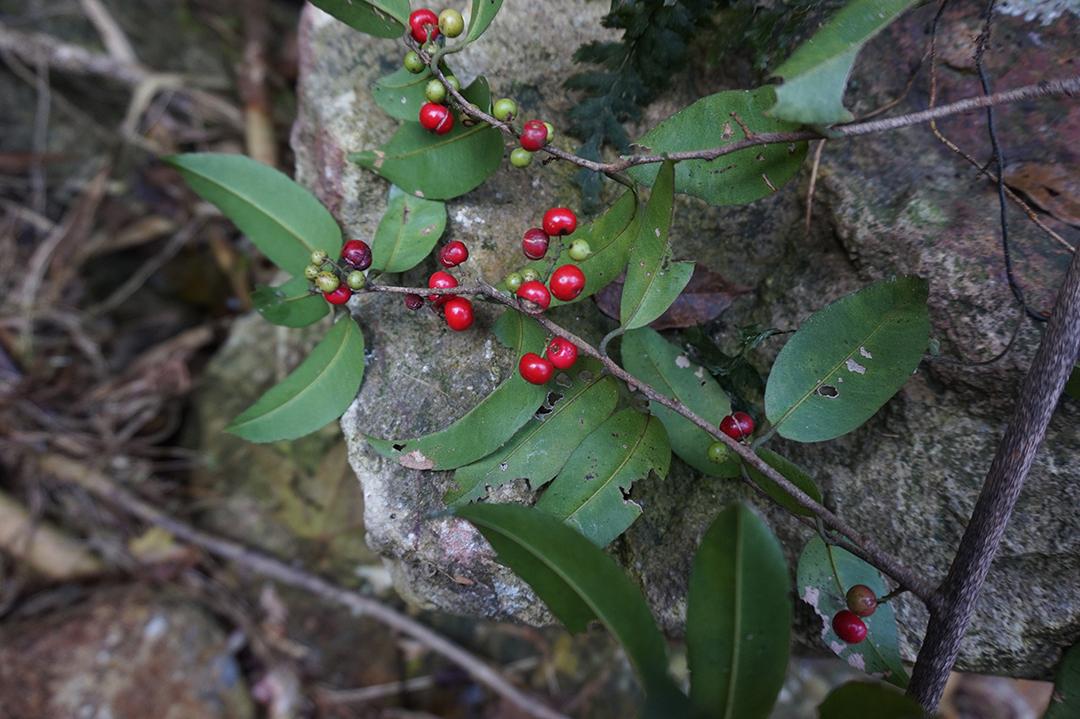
x,y
318,257
579,250
551,131
327,281
356,280
719,452
505,109
520,157
454,83
413,63
451,23
529,275
513,281
435,92
311,272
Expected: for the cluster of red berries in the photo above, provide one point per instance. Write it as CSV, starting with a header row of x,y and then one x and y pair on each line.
x,y
560,354
338,280
737,425
848,623
457,310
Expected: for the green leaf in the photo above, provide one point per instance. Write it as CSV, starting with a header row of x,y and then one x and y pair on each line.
x,y
793,473
488,425
541,448
481,15
735,179
313,395
439,167
291,304
848,359
408,231
667,369
609,236
381,18
592,492
1072,388
817,72
579,584
825,575
653,281
1065,702
852,700
738,618
283,219
401,93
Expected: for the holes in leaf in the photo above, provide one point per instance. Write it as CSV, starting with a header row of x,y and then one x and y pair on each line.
x,y
827,390
398,447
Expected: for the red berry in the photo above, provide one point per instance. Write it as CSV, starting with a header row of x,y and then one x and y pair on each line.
x,y
849,627
534,135
535,243
453,254
339,296
861,600
459,313
535,368
414,302
738,425
357,253
561,353
535,292
560,221
418,19
567,282
436,118
441,281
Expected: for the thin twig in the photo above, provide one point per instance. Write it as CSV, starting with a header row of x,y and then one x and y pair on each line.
x,y
99,486
813,185
879,556
112,36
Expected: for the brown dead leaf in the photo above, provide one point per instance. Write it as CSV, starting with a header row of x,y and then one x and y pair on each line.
x,y
705,298
1053,187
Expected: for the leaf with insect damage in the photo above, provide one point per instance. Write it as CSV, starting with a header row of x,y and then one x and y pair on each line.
x,y
381,18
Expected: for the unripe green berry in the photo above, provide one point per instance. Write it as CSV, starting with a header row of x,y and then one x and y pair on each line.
x,y
327,281
451,23
529,275
505,109
454,83
551,131
311,272
318,257
356,280
579,250
520,157
719,452
435,91
513,281
413,63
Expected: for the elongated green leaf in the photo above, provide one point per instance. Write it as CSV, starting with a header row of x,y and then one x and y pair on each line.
x,y
408,231
852,700
541,448
481,15
381,18
653,281
738,618
848,359
592,492
401,93
1073,387
439,167
665,368
794,473
825,575
291,304
735,179
488,425
283,219
314,394
1065,702
817,72
609,236
579,583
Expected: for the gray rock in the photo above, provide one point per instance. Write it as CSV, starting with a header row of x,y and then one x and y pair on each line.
x,y
884,205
